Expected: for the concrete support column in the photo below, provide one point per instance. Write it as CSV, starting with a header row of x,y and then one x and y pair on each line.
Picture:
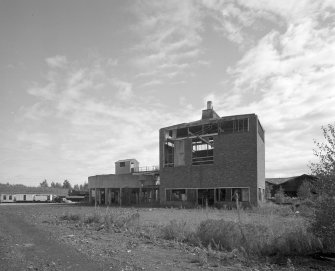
x,y
120,197
106,197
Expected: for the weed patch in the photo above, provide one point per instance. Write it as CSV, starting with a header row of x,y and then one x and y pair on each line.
x,y
70,217
176,230
256,239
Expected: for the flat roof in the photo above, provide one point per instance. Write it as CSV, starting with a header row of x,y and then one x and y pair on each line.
x,y
208,121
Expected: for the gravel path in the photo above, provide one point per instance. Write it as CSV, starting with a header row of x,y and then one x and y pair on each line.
x,y
25,247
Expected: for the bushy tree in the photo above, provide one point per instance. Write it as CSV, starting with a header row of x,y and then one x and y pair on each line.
x,y
324,221
84,187
58,185
67,185
304,191
44,184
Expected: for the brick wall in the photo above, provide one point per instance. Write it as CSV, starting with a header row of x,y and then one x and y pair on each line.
x,y
238,162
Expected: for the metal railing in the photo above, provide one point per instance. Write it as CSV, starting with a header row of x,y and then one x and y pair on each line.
x,y
146,169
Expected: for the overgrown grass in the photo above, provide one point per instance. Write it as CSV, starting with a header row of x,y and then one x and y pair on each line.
x,y
267,230
70,217
256,238
106,217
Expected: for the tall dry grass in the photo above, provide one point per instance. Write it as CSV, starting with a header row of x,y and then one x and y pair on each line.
x,y
266,230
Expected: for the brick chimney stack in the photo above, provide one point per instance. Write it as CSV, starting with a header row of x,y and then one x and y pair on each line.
x,y
209,113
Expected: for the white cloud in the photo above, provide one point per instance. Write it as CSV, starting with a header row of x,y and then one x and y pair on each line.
x,y
287,78
152,83
56,61
96,119
170,34
125,90
46,92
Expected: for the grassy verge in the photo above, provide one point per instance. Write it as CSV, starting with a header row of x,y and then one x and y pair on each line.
x,y
265,231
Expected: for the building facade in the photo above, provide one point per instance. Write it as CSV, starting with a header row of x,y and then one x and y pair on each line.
x,y
130,185
213,161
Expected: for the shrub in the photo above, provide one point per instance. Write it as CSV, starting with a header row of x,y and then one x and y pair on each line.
x,y
175,230
70,217
94,218
324,219
323,224
280,196
304,191
256,238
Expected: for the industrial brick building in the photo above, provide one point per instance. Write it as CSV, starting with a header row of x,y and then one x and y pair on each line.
x,y
213,160
130,185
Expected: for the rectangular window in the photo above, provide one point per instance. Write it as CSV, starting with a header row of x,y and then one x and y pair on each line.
x,y
221,194
176,195
169,154
235,126
5,197
227,126
202,150
122,164
197,130
10,197
211,128
182,132
241,193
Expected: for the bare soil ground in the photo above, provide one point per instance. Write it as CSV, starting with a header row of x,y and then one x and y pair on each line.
x,y
34,237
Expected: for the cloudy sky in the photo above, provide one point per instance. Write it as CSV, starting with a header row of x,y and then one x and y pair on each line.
x,y
85,83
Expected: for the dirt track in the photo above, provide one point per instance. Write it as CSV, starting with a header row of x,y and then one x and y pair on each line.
x,y
25,247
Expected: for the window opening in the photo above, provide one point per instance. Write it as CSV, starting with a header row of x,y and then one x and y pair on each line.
x,y
235,126
122,164
206,197
182,132
169,154
230,194
176,195
202,150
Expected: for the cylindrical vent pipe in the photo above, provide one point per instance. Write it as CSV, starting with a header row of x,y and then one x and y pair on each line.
x,y
209,105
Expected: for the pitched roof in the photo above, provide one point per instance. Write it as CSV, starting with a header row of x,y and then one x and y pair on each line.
x,y
278,181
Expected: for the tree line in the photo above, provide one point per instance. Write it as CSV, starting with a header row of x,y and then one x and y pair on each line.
x,y
66,184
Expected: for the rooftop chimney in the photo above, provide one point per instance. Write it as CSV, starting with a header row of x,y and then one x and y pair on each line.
x,y
209,105
209,113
